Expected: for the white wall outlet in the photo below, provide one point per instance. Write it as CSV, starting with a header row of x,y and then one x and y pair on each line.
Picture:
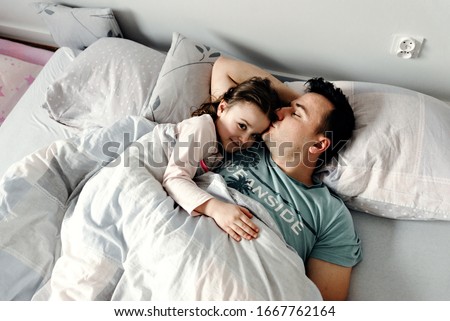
x,y
406,47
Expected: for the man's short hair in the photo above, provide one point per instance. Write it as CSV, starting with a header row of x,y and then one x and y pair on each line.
x,y
339,123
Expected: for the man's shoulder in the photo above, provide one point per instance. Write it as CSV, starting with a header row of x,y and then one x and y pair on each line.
x,y
334,197
326,199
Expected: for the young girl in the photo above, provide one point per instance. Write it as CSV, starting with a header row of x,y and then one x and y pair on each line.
x,y
233,122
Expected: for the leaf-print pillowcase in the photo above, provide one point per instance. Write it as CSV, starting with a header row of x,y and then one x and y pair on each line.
x,y
77,28
184,81
111,79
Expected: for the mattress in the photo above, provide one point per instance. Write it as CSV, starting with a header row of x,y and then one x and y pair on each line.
x,y
402,260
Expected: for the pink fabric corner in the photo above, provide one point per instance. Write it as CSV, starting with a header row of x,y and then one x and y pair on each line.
x,y
24,52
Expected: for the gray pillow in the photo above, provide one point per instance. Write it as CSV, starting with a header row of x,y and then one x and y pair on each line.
x,y
111,79
184,81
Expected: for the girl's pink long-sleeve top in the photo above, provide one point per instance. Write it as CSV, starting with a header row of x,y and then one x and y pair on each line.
x,y
196,141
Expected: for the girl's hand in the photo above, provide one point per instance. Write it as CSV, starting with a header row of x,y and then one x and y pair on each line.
x,y
233,219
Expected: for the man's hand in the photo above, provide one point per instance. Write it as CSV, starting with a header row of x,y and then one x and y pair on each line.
x,y
233,219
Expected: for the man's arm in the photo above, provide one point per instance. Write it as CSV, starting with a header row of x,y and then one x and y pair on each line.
x,y
229,72
332,280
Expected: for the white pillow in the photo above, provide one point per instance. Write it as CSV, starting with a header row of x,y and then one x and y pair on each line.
x,y
184,81
77,28
397,164
111,79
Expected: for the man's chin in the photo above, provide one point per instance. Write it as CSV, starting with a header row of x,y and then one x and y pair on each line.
x,y
266,137
270,141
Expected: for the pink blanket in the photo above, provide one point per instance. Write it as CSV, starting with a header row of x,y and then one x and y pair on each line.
x,y
23,52
19,66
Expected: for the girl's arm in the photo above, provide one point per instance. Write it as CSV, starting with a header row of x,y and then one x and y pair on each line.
x,y
194,140
194,136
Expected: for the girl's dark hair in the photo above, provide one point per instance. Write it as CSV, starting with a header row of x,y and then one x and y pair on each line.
x,y
339,123
256,90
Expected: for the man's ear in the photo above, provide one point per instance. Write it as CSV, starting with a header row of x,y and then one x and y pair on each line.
x,y
320,146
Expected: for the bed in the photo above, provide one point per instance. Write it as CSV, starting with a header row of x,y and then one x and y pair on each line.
x,y
58,241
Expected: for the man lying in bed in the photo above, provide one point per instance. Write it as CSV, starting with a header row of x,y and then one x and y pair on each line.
x,y
280,175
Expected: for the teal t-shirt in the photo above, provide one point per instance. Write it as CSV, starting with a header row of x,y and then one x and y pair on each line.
x,y
313,221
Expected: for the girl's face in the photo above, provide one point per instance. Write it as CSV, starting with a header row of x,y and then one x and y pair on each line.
x,y
240,125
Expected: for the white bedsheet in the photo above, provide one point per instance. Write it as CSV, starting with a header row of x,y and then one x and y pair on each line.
x,y
28,126
122,237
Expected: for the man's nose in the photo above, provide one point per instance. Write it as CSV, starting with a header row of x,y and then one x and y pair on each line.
x,y
282,112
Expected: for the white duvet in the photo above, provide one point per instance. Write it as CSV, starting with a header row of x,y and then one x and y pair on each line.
x,y
76,224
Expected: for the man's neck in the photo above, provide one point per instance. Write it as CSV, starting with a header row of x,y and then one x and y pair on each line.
x,y
300,171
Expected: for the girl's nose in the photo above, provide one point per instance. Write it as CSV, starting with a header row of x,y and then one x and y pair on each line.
x,y
245,138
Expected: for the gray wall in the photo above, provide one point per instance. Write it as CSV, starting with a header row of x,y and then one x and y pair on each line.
x,y
337,39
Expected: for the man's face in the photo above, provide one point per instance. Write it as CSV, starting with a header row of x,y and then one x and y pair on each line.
x,y
296,129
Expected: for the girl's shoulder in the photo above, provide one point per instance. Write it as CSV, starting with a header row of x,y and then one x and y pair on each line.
x,y
203,121
199,126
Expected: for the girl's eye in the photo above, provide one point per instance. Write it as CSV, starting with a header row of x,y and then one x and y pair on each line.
x,y
242,126
256,136
296,115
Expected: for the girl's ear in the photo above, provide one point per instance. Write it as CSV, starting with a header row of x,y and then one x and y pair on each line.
x,y
222,106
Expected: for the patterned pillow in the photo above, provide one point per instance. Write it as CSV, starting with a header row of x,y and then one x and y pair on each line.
x,y
109,80
77,28
184,81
